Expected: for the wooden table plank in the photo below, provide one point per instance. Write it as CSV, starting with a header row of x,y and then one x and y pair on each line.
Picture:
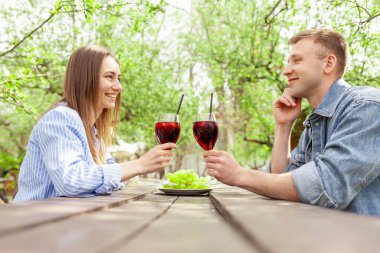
x,y
29,214
90,232
134,220
190,225
295,227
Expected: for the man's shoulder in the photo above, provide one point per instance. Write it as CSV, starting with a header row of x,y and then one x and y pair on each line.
x,y
364,93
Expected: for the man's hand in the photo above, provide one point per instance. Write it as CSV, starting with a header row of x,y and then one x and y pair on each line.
x,y
225,169
286,109
222,166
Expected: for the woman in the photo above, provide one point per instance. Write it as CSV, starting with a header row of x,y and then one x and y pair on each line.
x,y
66,153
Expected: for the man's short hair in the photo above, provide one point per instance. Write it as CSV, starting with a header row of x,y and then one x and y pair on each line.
x,y
333,43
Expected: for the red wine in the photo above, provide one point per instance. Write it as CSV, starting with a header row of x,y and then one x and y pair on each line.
x,y
206,133
167,132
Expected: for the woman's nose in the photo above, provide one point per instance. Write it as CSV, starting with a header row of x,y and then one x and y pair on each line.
x,y
117,86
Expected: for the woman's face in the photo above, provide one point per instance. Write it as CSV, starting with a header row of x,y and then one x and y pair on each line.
x,y
109,83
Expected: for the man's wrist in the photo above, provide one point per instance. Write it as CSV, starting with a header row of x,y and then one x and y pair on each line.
x,y
240,176
284,127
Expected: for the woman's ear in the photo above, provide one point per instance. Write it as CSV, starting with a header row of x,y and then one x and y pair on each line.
x,y
330,64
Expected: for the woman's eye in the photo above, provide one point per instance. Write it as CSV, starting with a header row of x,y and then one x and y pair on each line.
x,y
109,77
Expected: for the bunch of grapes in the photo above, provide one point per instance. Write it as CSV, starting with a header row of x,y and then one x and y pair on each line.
x,y
186,179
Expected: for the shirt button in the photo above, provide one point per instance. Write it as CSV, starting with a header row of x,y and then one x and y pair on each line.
x,y
317,124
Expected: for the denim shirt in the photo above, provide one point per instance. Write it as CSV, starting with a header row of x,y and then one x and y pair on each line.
x,y
337,162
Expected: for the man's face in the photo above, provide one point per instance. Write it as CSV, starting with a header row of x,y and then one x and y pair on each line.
x,y
304,70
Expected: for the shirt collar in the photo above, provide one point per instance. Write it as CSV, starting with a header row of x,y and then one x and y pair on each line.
x,y
332,98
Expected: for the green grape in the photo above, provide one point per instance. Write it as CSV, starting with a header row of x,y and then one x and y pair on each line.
x,y
172,178
168,186
186,179
194,185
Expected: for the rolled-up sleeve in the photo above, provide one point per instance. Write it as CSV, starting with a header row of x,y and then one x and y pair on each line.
x,y
310,187
65,154
349,162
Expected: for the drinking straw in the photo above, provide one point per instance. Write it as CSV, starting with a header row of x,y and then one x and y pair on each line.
x,y
211,102
180,103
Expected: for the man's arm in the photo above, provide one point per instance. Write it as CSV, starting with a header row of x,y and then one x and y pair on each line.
x,y
276,186
286,109
281,149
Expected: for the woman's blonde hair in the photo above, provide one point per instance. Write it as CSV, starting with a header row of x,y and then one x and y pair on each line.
x,y
81,92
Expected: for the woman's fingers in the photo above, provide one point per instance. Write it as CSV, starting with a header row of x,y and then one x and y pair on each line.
x,y
168,145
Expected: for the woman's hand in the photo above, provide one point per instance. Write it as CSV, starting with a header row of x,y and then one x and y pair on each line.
x,y
156,159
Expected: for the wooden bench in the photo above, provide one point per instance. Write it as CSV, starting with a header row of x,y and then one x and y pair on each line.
x,y
141,219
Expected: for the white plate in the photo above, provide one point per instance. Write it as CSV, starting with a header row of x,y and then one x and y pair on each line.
x,y
186,192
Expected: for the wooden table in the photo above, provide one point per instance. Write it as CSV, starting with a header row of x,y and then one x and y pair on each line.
x,y
140,219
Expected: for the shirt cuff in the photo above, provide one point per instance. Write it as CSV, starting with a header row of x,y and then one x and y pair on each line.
x,y
111,179
310,187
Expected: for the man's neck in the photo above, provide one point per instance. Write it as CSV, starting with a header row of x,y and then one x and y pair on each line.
x,y
316,99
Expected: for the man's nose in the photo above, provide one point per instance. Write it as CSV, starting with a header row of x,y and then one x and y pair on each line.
x,y
287,70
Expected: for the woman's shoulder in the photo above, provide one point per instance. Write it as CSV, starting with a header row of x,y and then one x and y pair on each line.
x,y
61,113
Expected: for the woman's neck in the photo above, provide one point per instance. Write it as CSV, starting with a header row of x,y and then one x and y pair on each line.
x,y
94,117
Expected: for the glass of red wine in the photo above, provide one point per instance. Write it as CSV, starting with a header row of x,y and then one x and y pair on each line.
x,y
205,129
167,129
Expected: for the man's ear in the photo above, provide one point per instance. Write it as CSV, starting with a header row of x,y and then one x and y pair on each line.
x,y
330,63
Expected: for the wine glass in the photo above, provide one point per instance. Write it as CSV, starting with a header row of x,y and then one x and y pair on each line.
x,y
167,129
205,129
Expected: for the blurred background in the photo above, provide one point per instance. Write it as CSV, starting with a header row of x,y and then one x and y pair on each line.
x,y
236,49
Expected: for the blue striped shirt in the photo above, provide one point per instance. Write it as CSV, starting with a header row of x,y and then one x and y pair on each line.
x,y
58,161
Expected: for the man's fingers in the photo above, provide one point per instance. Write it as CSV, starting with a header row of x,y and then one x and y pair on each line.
x,y
212,166
288,96
209,153
211,172
282,100
212,159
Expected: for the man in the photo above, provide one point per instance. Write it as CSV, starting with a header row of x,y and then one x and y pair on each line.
x,y
337,162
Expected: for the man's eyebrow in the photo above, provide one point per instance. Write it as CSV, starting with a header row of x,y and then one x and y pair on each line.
x,y
294,56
